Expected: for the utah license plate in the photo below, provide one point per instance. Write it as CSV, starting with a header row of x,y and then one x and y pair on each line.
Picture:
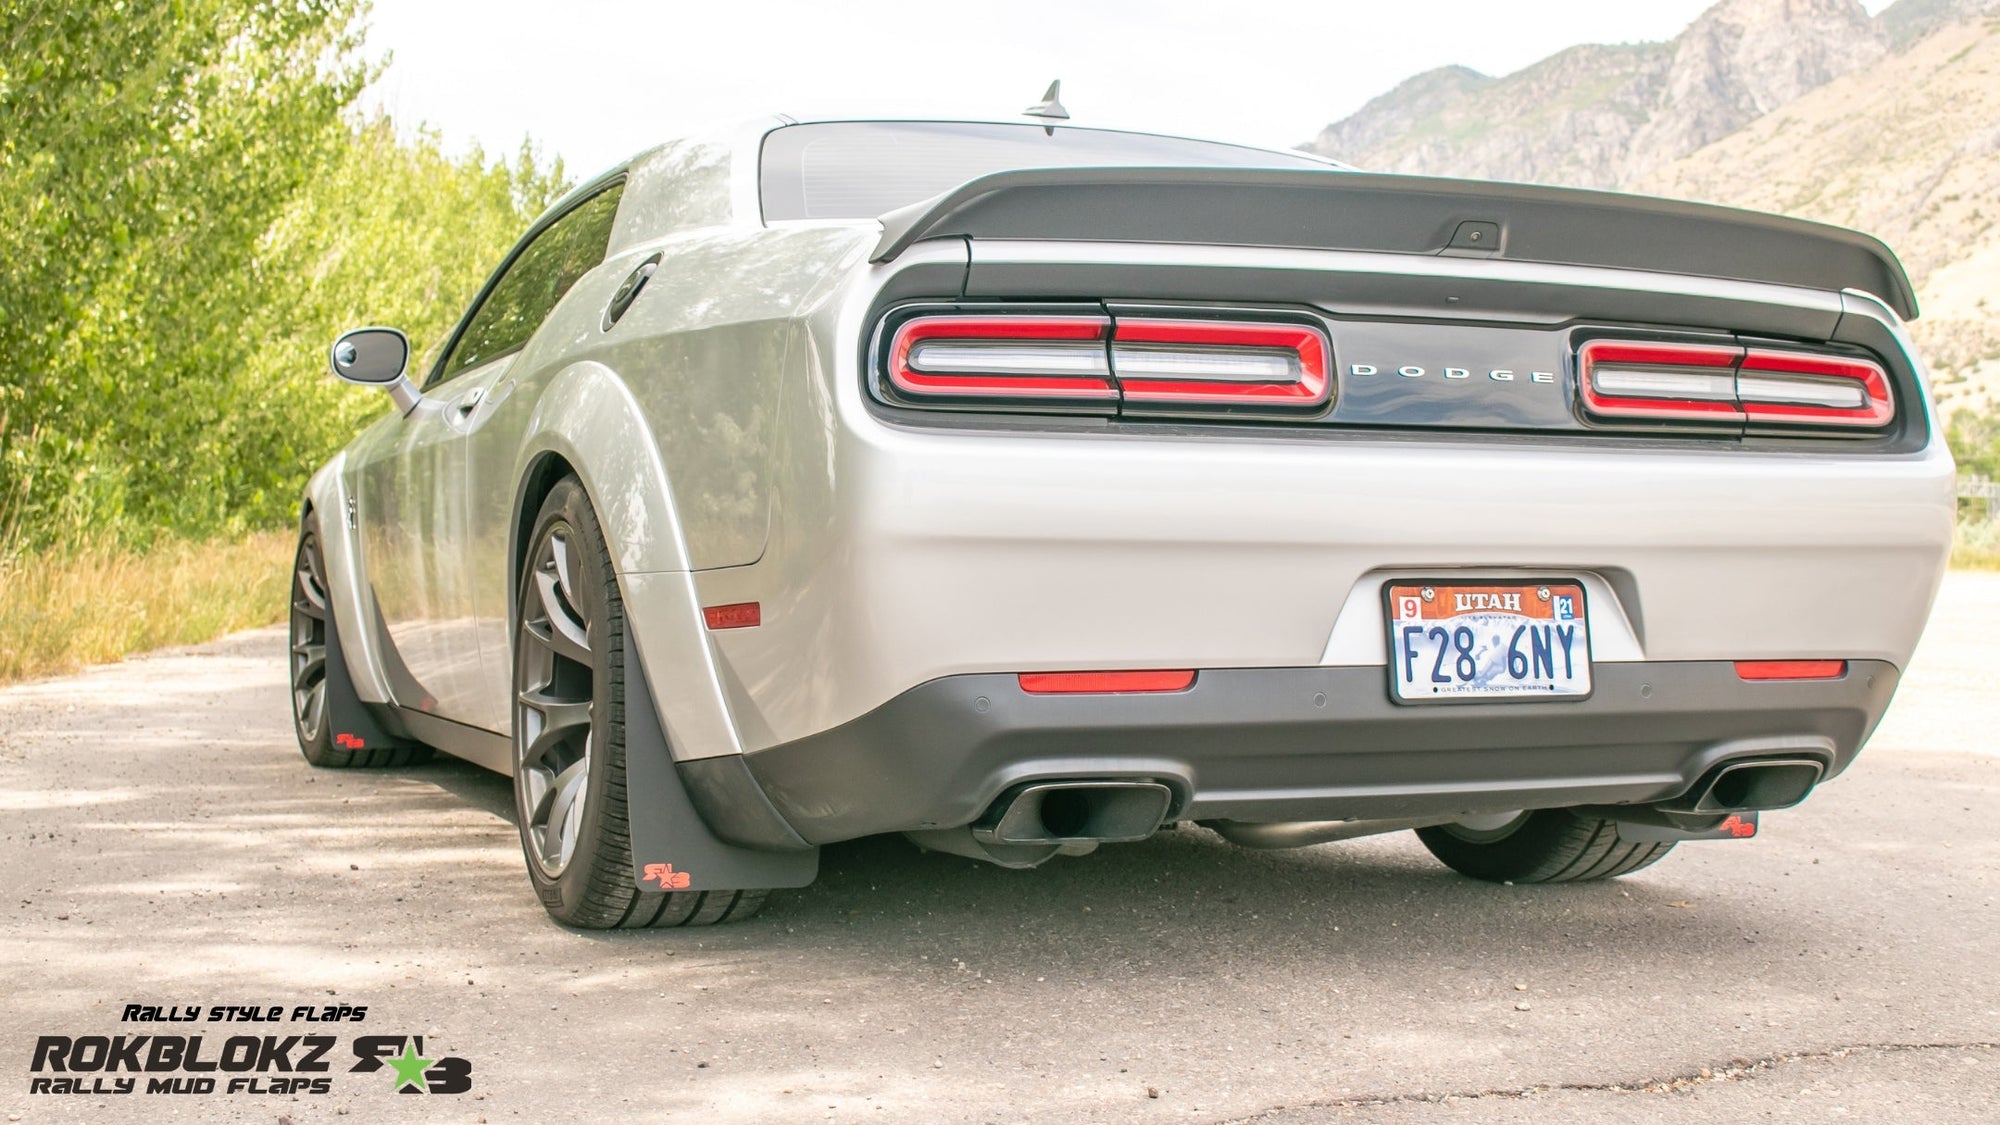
x,y
1450,642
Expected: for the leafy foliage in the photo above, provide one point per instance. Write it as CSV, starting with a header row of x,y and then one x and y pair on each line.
x,y
189,212
1974,436
395,232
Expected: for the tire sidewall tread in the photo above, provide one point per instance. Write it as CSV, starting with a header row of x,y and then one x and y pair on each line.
x,y
1550,846
596,890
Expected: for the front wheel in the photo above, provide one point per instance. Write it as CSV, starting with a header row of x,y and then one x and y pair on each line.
x,y
1542,846
315,705
569,735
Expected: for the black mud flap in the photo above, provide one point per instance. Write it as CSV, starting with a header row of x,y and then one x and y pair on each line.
x,y
1735,826
354,724
672,846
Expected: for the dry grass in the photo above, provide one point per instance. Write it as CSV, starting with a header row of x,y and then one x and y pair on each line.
x,y
63,609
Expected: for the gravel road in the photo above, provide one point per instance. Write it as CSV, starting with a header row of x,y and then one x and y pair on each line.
x,y
164,844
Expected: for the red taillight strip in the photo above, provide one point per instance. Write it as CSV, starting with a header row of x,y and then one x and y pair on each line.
x,y
1055,384
1791,669
1079,683
1764,384
1309,387
1664,358
1877,407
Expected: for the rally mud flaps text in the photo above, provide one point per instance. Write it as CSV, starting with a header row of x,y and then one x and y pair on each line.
x,y
268,1063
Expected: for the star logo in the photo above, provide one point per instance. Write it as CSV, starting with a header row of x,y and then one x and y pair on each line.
x,y
665,875
410,1068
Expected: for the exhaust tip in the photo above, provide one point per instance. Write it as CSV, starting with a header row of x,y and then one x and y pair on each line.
x,y
1755,786
1063,812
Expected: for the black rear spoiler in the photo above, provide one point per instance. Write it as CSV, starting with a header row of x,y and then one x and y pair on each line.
x,y
1337,210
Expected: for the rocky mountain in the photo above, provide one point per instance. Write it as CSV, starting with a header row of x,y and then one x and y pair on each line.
x,y
1907,149
1806,107
1910,20
1744,58
1599,115
1568,119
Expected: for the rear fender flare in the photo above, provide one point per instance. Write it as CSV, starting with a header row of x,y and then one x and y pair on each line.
x,y
588,417
327,495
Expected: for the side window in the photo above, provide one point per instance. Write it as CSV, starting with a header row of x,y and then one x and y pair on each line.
x,y
535,282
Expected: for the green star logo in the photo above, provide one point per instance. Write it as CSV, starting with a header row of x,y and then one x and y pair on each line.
x,y
410,1067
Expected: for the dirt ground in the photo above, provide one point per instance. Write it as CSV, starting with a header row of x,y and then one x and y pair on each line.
x,y
164,844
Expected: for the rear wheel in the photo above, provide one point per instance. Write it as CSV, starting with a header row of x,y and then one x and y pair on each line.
x,y
312,636
1542,846
569,736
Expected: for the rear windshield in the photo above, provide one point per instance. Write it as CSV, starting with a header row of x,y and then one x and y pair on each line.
x,y
861,169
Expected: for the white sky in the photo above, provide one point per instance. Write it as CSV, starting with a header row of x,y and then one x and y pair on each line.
x,y
596,81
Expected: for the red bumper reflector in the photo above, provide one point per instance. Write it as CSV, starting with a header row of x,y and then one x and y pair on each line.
x,y
1791,669
740,615
1074,683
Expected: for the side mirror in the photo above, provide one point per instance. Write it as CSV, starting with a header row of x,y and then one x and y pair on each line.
x,y
376,357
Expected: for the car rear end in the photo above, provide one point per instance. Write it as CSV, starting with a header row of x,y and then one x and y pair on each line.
x,y
1282,498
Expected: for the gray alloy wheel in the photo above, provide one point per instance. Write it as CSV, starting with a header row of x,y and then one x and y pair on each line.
x,y
556,688
569,735
1542,846
308,661
312,635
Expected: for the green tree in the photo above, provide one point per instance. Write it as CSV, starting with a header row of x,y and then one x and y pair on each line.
x,y
150,146
189,211
1974,437
396,232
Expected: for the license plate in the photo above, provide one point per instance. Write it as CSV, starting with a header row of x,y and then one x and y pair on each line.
x,y
1457,641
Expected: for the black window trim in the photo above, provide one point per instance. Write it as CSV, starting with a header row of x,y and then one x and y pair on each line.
x,y
562,210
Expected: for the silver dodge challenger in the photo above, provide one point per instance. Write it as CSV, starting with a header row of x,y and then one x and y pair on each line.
x,y
1021,488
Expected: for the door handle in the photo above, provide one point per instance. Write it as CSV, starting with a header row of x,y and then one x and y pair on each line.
x,y
458,412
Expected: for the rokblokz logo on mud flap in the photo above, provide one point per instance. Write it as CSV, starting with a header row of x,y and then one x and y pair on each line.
x,y
210,1063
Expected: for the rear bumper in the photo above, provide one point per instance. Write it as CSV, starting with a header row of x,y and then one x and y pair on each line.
x,y
1316,743
955,553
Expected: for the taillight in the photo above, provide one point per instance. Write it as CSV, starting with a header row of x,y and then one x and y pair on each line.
x,y
1104,365
1205,363
1696,382
1710,383
1827,390
1053,360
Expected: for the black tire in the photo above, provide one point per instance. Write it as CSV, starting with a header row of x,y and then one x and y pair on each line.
x,y
312,628
569,735
1544,846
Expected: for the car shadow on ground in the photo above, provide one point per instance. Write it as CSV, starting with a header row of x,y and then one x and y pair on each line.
x,y
1186,909
1184,881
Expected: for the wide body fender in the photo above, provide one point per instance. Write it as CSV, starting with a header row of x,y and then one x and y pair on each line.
x,y
327,496
588,418
686,820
